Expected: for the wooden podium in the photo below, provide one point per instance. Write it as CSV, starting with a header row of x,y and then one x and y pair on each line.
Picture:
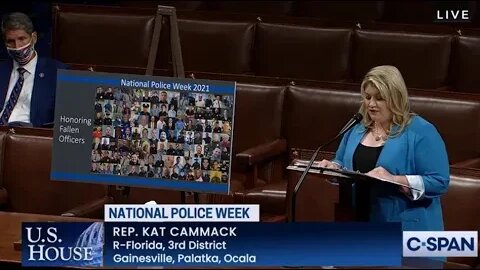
x,y
331,194
320,199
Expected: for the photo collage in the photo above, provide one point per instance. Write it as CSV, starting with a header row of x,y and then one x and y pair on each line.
x,y
162,134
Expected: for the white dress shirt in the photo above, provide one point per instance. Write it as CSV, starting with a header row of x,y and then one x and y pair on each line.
x,y
217,104
416,181
200,103
21,111
172,113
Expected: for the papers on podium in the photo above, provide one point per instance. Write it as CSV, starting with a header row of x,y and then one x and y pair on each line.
x,y
300,165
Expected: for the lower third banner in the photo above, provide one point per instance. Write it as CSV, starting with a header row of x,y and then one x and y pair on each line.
x,y
211,244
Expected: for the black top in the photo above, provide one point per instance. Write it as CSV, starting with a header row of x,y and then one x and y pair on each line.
x,y
365,157
364,160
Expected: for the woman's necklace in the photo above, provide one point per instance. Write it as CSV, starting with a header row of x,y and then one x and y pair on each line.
x,y
378,135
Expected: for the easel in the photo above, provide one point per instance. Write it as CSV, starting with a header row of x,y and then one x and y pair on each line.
x,y
165,13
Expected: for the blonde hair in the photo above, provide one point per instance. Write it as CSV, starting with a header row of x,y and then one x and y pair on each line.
x,y
389,82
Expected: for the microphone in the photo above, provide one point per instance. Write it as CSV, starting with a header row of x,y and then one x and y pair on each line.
x,y
352,122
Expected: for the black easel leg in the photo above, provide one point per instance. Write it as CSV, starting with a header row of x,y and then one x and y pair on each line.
x,y
183,197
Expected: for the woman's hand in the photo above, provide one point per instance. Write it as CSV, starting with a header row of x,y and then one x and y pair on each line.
x,y
328,164
380,172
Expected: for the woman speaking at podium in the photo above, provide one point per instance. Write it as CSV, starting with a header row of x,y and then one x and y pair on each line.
x,y
395,144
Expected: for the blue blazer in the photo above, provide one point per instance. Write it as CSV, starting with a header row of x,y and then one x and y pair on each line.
x,y
42,106
418,150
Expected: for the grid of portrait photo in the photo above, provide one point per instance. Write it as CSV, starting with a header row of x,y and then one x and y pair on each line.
x,y
162,134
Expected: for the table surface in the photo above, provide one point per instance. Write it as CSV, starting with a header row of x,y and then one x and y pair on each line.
x,y
11,231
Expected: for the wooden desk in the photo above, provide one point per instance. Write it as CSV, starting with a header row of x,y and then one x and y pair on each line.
x,y
11,231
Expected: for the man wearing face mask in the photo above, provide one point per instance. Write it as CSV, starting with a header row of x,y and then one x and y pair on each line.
x,y
28,81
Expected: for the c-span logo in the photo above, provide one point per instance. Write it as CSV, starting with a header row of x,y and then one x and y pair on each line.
x,y
440,244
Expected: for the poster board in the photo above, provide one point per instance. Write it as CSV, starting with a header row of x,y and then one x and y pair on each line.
x,y
146,131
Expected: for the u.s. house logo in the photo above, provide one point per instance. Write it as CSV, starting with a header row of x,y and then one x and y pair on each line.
x,y
62,244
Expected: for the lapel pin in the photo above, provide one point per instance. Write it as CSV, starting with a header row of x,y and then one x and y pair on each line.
x,y
41,75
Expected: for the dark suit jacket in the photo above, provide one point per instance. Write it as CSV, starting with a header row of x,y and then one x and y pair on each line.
x,y
42,106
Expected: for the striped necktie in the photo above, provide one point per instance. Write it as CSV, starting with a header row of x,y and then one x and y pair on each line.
x,y
12,100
